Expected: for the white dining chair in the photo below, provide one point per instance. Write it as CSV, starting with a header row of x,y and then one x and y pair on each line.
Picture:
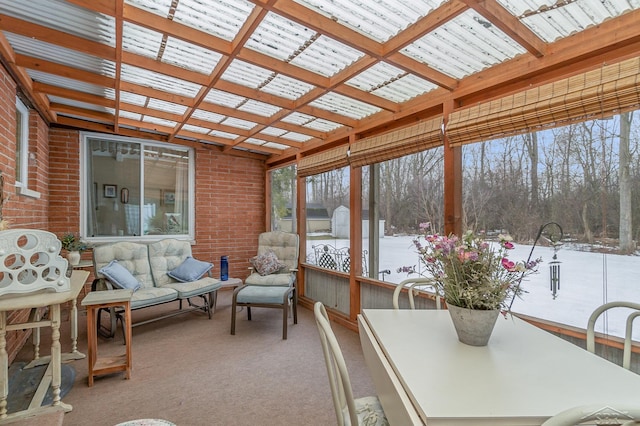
x,y
635,313
411,285
349,411
597,414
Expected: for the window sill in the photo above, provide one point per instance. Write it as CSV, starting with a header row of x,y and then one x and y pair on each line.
x,y
27,192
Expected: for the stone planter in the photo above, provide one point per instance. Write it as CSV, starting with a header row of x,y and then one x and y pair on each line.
x,y
474,327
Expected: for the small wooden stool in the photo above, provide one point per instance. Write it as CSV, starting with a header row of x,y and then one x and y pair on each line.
x,y
94,301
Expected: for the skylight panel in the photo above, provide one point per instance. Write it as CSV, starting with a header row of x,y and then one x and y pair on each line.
x,y
259,108
404,88
133,98
208,116
464,46
78,104
298,118
190,56
68,83
224,98
158,7
326,57
166,106
224,135
60,55
287,87
195,129
130,115
379,20
298,137
158,81
280,37
140,40
254,141
63,16
158,121
274,145
345,106
222,19
273,131
247,75
236,122
323,125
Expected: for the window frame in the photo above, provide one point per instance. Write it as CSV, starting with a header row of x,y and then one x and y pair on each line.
x,y
22,161
85,184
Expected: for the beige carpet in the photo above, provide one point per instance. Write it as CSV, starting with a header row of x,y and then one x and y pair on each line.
x,y
191,371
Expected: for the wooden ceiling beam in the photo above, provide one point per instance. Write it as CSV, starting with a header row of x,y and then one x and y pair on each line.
x,y
73,95
501,18
82,112
59,38
64,71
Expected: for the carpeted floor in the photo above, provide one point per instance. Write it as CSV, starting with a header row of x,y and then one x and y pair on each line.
x,y
191,371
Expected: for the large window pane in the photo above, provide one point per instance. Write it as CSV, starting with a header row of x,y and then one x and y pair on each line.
x,y
136,188
327,220
283,199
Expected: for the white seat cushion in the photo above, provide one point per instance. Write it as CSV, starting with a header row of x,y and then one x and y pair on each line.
x,y
369,410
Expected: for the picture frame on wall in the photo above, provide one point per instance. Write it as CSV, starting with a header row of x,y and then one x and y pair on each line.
x,y
169,197
110,191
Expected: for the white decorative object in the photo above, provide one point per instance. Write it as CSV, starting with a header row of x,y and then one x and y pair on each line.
x,y
30,260
73,257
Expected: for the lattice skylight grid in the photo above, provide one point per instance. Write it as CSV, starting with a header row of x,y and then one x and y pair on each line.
x,y
159,121
298,118
296,137
463,46
346,106
390,82
377,19
275,145
130,115
158,81
272,131
326,56
322,125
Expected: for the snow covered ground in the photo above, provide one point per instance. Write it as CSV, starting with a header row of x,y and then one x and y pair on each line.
x,y
587,280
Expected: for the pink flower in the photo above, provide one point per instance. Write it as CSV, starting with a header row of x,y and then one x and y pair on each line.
x,y
508,265
507,244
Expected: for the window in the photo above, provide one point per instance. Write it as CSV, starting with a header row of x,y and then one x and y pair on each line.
x,y
22,150
327,220
283,199
135,188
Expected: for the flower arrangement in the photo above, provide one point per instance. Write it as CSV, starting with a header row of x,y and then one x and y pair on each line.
x,y
471,272
71,242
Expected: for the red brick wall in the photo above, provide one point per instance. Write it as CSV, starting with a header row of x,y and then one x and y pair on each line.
x,y
22,211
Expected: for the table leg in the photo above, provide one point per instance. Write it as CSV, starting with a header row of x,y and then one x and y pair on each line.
x,y
4,365
75,354
91,341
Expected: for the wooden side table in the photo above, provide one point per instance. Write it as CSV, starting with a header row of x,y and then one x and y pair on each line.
x,y
94,301
231,283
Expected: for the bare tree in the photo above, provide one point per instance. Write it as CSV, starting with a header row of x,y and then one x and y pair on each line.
x,y
625,231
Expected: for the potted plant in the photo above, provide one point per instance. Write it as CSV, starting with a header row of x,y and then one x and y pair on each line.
x,y
475,277
74,246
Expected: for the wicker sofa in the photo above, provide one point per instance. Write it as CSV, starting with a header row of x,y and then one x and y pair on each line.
x,y
151,265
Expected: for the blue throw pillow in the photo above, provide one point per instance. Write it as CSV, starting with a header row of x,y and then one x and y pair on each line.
x,y
190,270
120,276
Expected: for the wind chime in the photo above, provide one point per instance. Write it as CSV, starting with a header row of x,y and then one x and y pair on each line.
x,y
554,236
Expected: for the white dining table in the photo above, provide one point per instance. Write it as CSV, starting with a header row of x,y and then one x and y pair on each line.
x,y
424,375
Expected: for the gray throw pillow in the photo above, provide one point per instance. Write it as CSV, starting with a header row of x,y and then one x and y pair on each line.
x,y
190,270
120,276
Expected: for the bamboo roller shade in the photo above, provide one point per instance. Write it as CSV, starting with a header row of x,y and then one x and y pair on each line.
x,y
398,143
612,89
324,161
